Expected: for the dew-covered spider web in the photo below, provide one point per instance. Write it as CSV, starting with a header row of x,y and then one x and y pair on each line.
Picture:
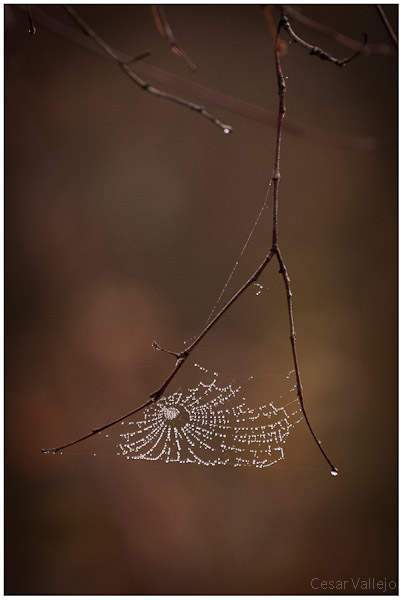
x,y
211,425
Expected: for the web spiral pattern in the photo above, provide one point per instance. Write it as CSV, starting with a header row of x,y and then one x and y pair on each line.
x,y
204,426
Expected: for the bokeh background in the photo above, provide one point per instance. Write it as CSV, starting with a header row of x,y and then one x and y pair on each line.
x,y
124,215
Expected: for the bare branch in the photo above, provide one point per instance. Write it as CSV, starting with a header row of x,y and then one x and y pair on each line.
x,y
275,246
166,32
235,105
315,50
144,85
388,26
382,49
293,339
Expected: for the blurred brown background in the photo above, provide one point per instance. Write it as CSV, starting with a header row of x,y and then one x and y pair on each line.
x,y
124,215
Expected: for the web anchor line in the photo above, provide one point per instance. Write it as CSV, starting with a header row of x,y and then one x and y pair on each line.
x,y
252,231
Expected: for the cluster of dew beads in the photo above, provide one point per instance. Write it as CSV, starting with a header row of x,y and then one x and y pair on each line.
x,y
260,288
211,425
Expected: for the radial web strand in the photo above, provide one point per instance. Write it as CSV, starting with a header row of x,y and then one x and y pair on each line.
x,y
210,425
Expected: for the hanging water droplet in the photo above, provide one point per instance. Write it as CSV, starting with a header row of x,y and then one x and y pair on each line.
x,y
227,130
334,472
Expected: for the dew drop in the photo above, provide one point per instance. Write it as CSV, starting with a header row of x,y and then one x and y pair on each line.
x,y
227,130
334,472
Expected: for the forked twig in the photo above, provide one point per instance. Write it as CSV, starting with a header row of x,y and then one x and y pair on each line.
x,y
275,246
181,358
340,38
315,50
282,46
167,33
144,85
388,26
273,252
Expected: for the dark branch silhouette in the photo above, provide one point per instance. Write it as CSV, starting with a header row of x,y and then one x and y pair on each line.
x,y
181,357
315,50
382,49
388,26
167,33
144,85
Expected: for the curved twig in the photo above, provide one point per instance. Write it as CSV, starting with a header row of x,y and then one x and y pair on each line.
x,y
315,50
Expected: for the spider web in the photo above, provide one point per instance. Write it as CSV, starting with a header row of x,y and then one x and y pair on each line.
x,y
211,425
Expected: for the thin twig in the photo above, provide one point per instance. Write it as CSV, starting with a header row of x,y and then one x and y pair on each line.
x,y
32,28
167,33
315,50
144,85
383,49
181,358
235,105
388,26
360,50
